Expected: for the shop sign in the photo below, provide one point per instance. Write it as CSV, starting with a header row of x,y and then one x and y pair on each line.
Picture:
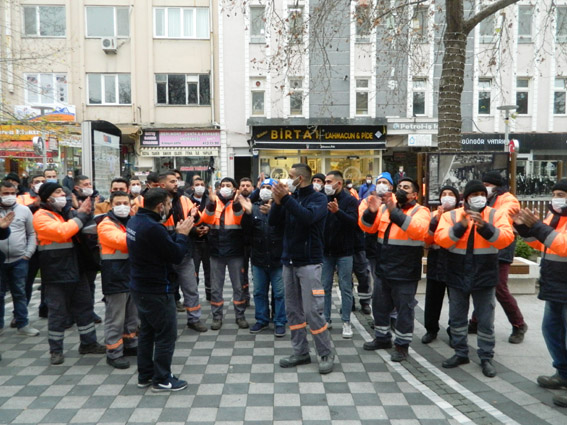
x,y
18,132
177,152
56,113
418,140
413,126
527,141
320,136
194,168
180,139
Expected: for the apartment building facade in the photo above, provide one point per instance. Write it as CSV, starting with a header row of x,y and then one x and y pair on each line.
x,y
291,100
145,67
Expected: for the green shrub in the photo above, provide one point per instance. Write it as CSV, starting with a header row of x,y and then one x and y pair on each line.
x,y
523,249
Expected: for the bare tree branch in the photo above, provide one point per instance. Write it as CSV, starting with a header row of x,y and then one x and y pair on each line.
x,y
472,22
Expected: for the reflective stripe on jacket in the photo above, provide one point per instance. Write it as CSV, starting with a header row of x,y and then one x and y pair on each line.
x,y
115,270
400,239
187,205
477,267
225,237
57,255
509,205
552,242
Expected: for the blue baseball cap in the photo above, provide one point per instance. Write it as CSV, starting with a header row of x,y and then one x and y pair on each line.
x,y
271,182
387,176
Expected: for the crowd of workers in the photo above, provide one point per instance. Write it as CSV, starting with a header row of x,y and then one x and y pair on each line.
x,y
149,241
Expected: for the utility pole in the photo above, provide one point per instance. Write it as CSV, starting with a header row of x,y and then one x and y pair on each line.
x,y
507,109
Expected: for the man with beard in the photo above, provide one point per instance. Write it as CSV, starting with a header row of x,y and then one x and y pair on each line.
x,y
402,226
181,209
224,215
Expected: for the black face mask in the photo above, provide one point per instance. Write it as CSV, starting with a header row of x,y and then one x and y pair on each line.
x,y
401,196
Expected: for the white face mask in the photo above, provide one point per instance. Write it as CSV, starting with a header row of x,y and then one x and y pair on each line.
x,y
329,190
59,202
489,191
317,187
226,192
349,185
290,186
87,191
477,202
121,210
199,190
448,202
135,189
381,188
8,200
556,203
265,194
36,187
180,183
368,181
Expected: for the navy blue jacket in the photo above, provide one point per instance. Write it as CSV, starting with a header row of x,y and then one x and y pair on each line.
x,y
304,215
267,241
151,248
340,227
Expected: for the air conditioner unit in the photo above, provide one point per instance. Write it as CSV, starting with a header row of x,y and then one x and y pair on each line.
x,y
108,44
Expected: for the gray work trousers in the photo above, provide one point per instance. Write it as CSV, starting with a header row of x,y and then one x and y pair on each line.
x,y
484,302
361,269
120,324
187,280
218,270
398,294
69,301
304,302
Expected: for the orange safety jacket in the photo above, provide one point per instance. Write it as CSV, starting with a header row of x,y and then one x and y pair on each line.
x,y
187,205
354,193
476,266
400,240
115,270
225,237
550,237
26,199
57,255
509,205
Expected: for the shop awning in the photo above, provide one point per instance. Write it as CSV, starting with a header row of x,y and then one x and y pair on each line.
x,y
130,133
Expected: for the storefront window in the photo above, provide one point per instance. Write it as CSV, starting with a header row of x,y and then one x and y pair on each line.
x,y
354,165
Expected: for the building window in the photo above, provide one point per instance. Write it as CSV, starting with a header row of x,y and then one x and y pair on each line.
x,y
257,25
296,96
525,17
295,22
109,89
181,89
559,96
487,29
363,22
257,96
419,86
45,89
177,22
561,24
44,21
419,23
108,21
484,91
522,95
361,96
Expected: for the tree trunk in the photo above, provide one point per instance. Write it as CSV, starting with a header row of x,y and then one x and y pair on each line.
x,y
451,88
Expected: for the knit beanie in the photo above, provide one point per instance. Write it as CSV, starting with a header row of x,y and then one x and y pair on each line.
x,y
493,177
472,187
385,175
320,176
47,189
452,189
560,185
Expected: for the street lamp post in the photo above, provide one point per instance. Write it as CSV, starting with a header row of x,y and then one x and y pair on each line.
x,y
507,109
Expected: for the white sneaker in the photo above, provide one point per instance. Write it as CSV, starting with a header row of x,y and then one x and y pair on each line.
x,y
28,331
347,330
329,326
